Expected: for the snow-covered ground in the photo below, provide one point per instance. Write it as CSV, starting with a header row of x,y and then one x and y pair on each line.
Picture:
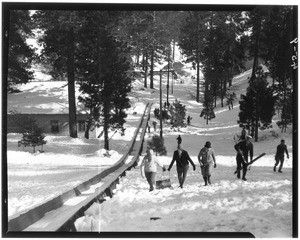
x,y
262,205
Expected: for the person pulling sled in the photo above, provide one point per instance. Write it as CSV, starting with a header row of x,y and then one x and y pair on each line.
x,y
149,167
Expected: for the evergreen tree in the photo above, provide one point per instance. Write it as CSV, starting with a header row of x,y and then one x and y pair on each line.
x,y
20,55
32,134
192,37
59,41
258,107
279,33
246,114
177,112
157,144
208,107
105,71
255,23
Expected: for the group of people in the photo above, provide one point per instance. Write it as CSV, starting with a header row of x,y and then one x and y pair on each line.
x,y
207,161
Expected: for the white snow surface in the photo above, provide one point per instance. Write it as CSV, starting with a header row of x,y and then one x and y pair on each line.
x,y
261,206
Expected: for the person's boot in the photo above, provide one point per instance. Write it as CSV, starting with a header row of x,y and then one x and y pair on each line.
x,y
180,183
279,170
205,181
274,169
208,179
238,174
244,175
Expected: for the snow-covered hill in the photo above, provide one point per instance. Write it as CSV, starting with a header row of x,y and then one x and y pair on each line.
x,y
262,205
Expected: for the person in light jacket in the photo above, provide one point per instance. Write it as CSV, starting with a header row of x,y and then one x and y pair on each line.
x,y
207,160
182,159
149,167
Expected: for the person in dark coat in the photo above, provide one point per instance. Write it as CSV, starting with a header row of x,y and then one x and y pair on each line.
x,y
189,118
243,148
154,125
243,134
179,140
182,159
279,157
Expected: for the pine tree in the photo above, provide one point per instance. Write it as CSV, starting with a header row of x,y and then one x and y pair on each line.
x,y
192,41
105,71
157,144
246,114
178,113
279,31
208,107
20,55
258,106
60,47
32,134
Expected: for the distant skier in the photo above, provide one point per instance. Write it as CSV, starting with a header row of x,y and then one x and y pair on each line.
x,y
207,160
182,159
179,140
154,125
279,157
243,148
149,167
189,118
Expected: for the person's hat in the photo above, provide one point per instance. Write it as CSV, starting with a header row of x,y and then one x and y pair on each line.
x,y
207,144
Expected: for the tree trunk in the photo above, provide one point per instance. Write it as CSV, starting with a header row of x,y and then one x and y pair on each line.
x,y
87,129
198,81
255,59
151,68
173,50
168,81
256,129
105,127
146,70
71,86
283,118
215,100
230,76
137,58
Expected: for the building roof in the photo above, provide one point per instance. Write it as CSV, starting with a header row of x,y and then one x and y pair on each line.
x,y
41,97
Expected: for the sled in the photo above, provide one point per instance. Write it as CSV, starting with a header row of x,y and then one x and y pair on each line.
x,y
253,160
163,183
